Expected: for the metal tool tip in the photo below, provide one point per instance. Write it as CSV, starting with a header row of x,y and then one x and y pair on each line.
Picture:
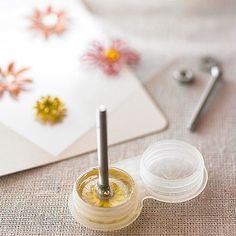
x,y
191,127
215,71
102,108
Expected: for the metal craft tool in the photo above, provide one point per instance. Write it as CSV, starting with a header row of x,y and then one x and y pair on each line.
x,y
211,65
103,188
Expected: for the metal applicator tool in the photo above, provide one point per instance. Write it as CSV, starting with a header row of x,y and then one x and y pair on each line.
x,y
104,198
103,187
211,66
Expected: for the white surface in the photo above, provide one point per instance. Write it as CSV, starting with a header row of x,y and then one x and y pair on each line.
x,y
55,70
17,153
26,143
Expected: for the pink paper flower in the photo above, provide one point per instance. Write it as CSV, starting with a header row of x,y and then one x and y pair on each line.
x,y
112,59
11,80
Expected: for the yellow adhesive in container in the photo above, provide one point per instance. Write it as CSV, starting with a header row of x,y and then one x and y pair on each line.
x,y
120,210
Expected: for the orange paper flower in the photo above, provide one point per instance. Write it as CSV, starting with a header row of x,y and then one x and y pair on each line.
x,y
11,80
48,22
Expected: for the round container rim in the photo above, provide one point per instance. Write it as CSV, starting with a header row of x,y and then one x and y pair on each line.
x,y
144,170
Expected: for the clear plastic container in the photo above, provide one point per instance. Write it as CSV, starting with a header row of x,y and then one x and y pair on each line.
x,y
173,171
119,211
170,171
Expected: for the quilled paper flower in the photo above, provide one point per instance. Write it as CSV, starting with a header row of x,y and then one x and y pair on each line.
x,y
49,22
49,109
12,80
111,60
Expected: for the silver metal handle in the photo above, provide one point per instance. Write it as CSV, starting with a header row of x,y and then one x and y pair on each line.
x,y
215,75
103,188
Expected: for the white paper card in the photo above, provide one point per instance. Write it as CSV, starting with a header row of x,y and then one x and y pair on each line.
x,y
55,69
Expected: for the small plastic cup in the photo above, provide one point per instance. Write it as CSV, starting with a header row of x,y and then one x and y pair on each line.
x,y
121,210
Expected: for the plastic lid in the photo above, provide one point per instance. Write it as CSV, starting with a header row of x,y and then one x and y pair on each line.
x,y
173,171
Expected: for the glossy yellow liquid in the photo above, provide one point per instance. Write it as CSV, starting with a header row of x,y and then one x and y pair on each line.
x,y
121,186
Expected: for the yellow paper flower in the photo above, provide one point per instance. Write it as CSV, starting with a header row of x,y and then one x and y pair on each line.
x,y
49,109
